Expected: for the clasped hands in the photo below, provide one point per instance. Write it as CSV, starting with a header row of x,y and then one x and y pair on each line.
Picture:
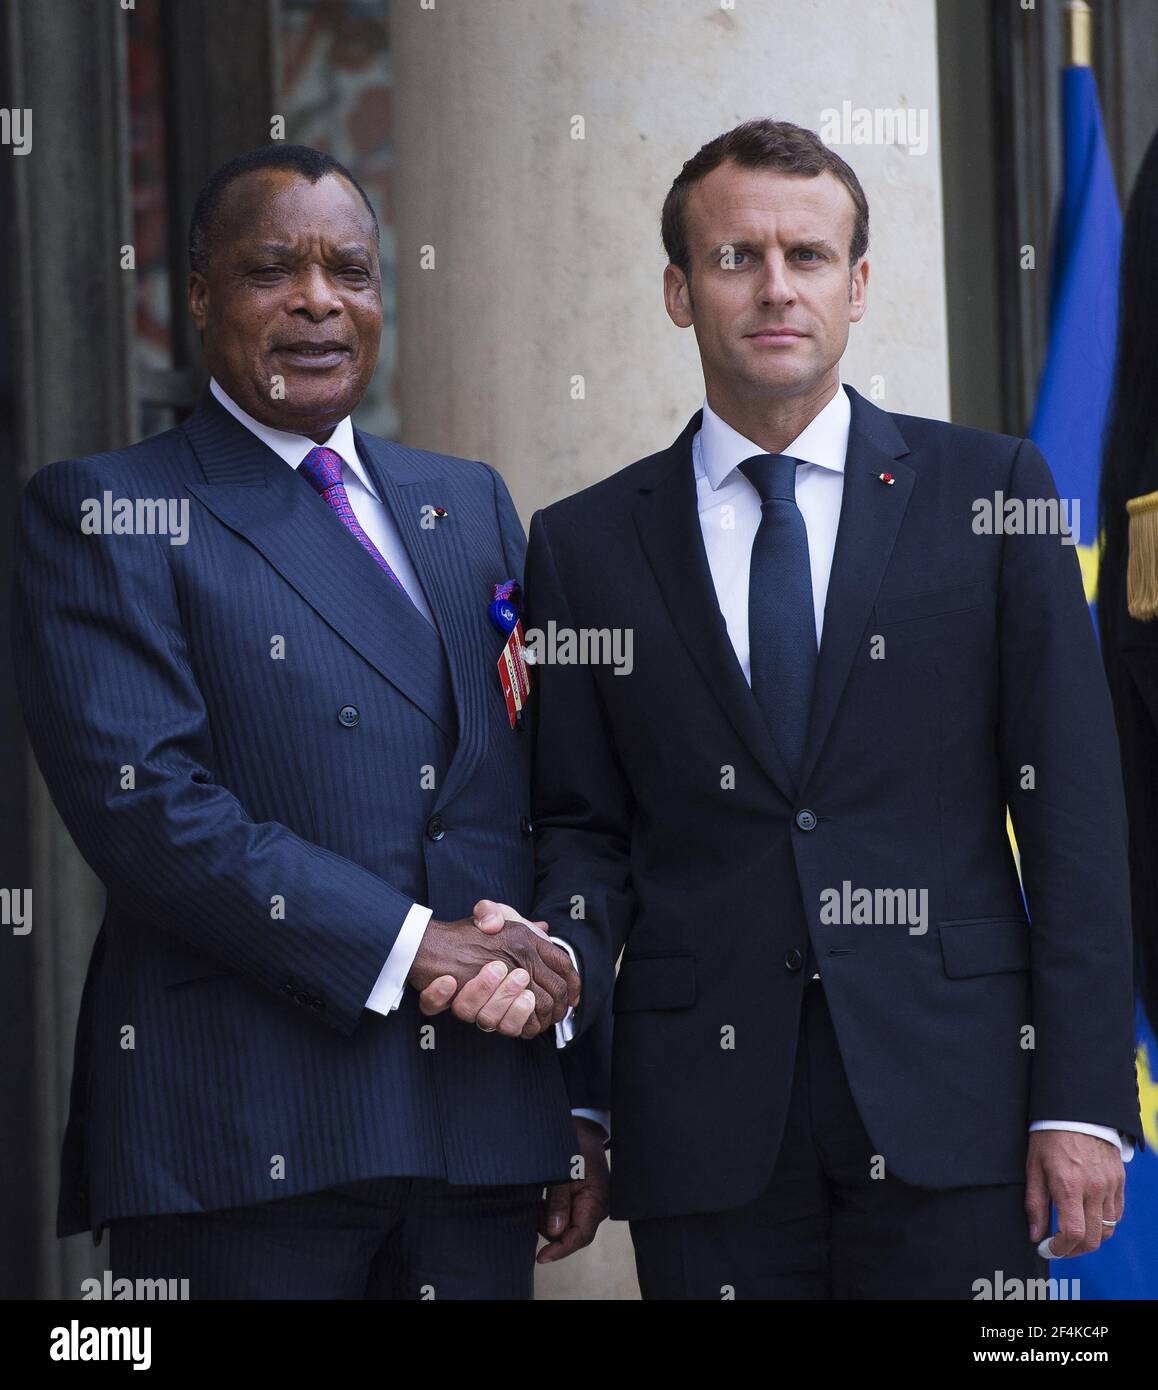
x,y
502,973
496,970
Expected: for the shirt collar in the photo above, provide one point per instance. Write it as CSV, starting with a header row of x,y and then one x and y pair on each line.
x,y
823,441
294,447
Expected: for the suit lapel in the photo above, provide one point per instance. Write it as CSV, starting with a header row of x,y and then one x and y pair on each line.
x,y
254,492
441,555
871,513
667,519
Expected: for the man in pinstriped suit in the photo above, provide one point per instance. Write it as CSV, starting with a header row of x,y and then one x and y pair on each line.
x,y
280,741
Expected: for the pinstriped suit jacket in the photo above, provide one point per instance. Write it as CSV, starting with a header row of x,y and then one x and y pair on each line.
x,y
260,853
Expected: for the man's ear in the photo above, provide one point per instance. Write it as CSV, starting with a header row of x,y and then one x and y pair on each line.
x,y
858,291
197,296
677,296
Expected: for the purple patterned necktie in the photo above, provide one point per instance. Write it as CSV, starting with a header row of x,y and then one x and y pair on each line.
x,y
323,469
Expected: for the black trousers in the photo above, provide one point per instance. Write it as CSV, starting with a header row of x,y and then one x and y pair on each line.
x,y
825,1226
385,1238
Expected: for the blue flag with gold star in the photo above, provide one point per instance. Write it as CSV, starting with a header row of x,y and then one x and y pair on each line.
x,y
1073,396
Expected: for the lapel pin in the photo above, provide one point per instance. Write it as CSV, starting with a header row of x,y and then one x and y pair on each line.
x,y
440,512
887,478
504,607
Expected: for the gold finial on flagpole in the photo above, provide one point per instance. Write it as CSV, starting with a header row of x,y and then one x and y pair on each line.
x,y
1079,24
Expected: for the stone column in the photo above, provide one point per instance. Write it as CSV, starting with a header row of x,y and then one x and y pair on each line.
x,y
73,317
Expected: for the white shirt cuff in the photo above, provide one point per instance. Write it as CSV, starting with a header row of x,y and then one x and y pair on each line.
x,y
565,1029
600,1117
387,992
1111,1136
564,1032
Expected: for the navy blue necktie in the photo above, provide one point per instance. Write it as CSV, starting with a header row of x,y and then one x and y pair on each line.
x,y
781,617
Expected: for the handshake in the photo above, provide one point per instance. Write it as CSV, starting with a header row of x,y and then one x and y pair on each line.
x,y
496,970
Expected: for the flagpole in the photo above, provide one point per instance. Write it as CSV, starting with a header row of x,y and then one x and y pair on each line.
x,y
1079,26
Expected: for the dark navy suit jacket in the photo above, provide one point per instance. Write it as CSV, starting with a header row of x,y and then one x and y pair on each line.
x,y
662,798
262,826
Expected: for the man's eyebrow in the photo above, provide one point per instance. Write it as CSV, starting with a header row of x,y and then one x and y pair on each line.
x,y
815,244
276,248
269,248
739,243
747,244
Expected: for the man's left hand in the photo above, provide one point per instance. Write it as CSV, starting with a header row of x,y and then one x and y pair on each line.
x,y
572,1211
1084,1177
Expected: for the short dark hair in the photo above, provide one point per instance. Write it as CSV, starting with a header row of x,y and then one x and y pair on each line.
x,y
310,163
760,144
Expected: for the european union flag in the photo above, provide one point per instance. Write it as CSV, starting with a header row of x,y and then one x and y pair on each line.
x,y
1074,394
1072,406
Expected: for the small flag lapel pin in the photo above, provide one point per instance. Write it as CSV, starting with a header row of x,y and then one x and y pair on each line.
x,y
887,478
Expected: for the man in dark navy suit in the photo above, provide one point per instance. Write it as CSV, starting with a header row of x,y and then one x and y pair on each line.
x,y
258,674
847,1061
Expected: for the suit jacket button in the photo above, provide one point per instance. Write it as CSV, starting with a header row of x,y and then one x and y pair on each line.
x,y
793,959
525,825
806,820
435,828
316,1003
301,997
348,716
288,989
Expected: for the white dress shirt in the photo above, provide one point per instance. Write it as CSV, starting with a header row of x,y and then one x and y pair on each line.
x,y
729,510
375,519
